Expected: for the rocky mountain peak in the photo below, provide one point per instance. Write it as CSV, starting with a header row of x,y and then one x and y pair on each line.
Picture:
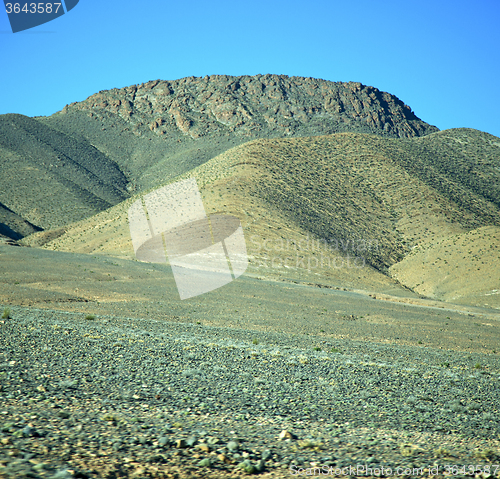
x,y
255,106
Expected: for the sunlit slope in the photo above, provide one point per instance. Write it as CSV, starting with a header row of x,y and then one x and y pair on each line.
x,y
462,268
340,209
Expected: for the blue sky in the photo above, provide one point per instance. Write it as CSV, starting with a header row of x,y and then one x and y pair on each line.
x,y
441,58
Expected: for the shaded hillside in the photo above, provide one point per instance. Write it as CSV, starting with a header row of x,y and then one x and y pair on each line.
x,y
49,179
469,158
161,129
355,195
12,226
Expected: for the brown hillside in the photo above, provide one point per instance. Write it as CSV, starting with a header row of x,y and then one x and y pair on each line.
x,y
357,196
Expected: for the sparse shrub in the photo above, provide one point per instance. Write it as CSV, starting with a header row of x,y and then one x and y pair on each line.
x,y
441,452
455,406
90,317
473,406
310,444
6,314
407,450
110,418
255,341
487,454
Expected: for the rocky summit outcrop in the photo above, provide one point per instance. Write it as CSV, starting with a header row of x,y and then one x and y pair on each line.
x,y
255,106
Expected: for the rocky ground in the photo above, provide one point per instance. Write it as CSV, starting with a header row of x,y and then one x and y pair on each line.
x,y
110,396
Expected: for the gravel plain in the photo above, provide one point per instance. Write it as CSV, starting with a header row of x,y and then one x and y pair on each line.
x,y
125,397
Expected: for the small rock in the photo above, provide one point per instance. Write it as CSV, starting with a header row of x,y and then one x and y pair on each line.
x,y
248,467
191,441
62,474
224,458
5,440
180,443
260,466
232,445
7,427
39,467
29,431
286,435
205,462
41,389
212,440
157,458
163,441
266,455
203,447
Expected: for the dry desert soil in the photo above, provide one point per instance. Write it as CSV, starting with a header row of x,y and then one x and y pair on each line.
x,y
105,373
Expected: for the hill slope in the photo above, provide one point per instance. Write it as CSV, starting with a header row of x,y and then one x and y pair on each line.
x,y
48,179
366,201
12,226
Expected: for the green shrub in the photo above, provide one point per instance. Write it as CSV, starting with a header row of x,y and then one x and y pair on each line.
x,y
90,317
6,314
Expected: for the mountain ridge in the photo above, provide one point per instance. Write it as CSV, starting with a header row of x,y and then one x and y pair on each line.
x,y
242,102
